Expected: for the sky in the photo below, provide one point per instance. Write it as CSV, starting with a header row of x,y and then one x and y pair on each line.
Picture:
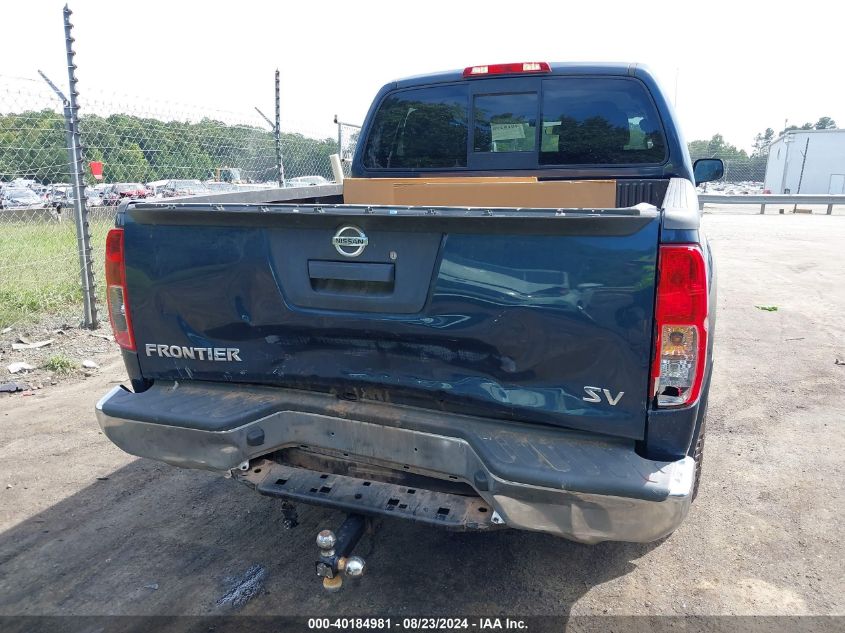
x,y
732,67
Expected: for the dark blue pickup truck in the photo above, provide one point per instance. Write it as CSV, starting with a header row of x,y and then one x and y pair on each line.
x,y
473,367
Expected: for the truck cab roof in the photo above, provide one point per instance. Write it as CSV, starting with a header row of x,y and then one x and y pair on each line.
x,y
556,69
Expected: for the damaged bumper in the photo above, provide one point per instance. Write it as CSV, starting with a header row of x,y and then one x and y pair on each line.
x,y
571,484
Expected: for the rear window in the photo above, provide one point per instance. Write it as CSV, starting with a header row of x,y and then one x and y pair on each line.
x,y
505,122
599,122
569,121
422,128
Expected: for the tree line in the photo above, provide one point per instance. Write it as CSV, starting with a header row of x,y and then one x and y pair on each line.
x,y
138,149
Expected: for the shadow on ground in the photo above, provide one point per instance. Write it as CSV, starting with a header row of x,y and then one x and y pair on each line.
x,y
152,539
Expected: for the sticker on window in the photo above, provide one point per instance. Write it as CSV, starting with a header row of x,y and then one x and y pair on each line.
x,y
507,131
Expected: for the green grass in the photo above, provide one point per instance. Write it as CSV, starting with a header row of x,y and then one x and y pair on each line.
x,y
39,269
60,364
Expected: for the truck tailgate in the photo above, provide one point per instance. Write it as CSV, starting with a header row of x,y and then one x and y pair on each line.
x,y
505,313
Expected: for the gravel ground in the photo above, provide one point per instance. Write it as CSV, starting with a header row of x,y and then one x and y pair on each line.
x,y
87,529
59,353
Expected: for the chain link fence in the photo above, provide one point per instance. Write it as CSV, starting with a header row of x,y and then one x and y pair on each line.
x,y
153,150
138,140
39,263
743,174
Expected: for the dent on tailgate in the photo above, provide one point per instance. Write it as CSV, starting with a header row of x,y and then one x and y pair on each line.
x,y
533,320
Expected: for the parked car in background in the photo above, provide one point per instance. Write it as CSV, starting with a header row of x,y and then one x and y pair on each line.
x,y
41,191
176,188
20,198
93,197
62,198
123,190
27,183
155,187
101,190
56,192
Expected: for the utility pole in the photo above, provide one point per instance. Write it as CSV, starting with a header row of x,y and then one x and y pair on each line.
x,y
278,133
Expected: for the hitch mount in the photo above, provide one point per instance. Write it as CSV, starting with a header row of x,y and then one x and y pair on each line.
x,y
335,549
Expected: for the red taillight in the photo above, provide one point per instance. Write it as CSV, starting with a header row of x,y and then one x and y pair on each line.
x,y
507,69
681,316
116,296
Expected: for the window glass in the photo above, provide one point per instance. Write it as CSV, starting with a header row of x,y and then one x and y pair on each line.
x,y
420,128
505,122
599,122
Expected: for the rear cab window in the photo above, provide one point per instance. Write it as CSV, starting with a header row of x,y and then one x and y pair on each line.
x,y
475,124
422,128
599,122
505,122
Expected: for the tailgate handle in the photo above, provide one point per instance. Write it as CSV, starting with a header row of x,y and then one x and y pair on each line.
x,y
351,271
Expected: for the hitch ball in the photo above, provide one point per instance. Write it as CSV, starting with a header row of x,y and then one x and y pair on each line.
x,y
326,541
354,567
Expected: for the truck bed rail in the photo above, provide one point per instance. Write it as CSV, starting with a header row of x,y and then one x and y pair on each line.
x,y
509,220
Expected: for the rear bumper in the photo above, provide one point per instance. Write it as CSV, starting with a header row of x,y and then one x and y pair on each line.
x,y
570,484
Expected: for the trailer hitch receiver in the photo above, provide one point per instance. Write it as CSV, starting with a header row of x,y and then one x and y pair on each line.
x,y
335,561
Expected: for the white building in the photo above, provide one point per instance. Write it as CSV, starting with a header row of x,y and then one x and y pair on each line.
x,y
821,171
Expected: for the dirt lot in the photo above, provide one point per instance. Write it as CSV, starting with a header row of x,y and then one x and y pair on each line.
x,y
54,351
87,529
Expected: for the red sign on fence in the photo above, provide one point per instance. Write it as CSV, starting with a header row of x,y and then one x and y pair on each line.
x,y
96,167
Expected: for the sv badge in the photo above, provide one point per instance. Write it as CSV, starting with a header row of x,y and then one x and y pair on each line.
x,y
594,394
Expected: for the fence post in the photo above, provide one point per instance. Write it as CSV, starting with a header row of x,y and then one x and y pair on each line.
x,y
83,234
280,165
339,138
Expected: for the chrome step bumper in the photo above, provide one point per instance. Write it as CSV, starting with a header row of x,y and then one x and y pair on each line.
x,y
575,485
